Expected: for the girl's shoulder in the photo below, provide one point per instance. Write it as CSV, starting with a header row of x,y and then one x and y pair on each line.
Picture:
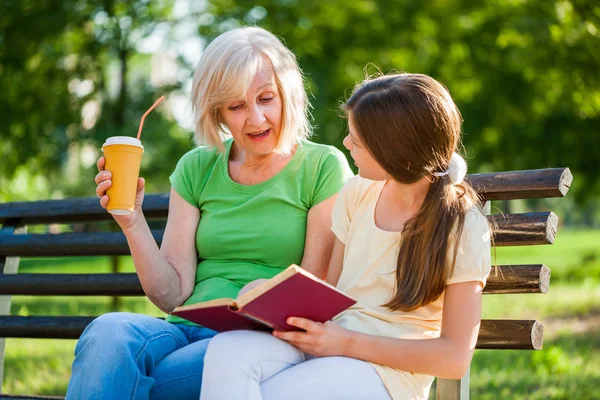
x,y
357,189
475,219
473,257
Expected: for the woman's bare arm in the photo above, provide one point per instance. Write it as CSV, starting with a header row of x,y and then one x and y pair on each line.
x,y
319,238
167,274
336,263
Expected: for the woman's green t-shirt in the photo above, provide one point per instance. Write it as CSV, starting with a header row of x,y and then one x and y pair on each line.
x,y
252,232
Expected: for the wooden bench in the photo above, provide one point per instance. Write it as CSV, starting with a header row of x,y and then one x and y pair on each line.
x,y
512,230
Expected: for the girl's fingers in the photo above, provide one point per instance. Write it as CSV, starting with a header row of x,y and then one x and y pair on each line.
x,y
298,345
141,184
303,323
299,337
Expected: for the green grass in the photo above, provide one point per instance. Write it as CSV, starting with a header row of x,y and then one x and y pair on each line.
x,y
42,366
562,300
574,257
74,265
567,368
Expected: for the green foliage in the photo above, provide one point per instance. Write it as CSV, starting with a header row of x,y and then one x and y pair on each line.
x,y
70,76
524,74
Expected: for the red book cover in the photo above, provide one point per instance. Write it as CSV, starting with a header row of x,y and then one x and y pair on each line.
x,y
292,293
220,318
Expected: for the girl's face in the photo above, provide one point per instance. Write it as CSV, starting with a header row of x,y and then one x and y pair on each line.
x,y
368,167
255,122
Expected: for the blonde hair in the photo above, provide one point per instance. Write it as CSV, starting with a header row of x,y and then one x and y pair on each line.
x,y
226,71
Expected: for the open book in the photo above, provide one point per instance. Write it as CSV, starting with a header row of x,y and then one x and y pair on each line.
x,y
293,292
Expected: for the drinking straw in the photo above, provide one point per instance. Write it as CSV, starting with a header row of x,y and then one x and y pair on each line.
x,y
146,113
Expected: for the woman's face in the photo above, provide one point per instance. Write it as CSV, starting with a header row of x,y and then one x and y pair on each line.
x,y
368,167
255,122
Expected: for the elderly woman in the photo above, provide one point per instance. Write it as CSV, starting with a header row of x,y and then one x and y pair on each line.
x,y
255,198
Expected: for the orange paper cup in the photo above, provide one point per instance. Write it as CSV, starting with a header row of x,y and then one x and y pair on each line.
x,y
123,156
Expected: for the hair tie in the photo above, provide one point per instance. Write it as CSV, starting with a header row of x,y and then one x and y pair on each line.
x,y
457,169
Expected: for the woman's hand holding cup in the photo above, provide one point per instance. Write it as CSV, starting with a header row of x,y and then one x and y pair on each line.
x,y
104,182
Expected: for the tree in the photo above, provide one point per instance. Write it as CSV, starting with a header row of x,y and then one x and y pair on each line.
x,y
524,74
71,76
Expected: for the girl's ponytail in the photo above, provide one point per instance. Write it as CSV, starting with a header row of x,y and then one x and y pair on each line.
x,y
430,243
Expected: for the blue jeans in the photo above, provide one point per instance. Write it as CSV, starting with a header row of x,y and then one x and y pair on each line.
x,y
133,356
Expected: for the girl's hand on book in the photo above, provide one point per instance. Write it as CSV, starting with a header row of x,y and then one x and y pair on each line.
x,y
328,339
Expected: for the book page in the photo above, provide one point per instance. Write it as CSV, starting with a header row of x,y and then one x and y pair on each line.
x,y
220,318
211,303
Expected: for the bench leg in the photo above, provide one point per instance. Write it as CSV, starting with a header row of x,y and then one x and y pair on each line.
x,y
450,389
8,265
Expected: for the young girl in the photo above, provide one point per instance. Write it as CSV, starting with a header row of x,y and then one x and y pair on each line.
x,y
411,242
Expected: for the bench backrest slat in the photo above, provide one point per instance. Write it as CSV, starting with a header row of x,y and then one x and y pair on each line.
x,y
69,244
526,184
493,334
539,183
74,210
512,230
509,279
506,334
524,229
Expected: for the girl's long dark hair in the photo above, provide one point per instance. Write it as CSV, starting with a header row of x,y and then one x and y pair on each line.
x,y
411,126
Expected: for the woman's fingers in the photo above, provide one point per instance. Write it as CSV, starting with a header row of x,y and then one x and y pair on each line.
x,y
103,182
102,176
104,201
102,188
100,164
141,184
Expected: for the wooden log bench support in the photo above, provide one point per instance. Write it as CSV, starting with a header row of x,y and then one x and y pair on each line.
x,y
538,228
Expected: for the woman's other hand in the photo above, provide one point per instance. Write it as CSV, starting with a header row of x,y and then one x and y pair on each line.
x,y
104,182
321,340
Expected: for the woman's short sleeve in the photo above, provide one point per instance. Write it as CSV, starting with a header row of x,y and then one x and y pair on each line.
x,y
334,172
344,207
473,260
182,178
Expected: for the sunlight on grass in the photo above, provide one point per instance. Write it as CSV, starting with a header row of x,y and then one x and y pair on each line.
x,y
561,300
43,366
37,366
567,368
574,256
74,265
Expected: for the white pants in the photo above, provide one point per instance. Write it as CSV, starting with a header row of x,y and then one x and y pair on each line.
x,y
255,365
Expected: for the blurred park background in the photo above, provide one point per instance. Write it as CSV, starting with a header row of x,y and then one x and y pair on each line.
x,y
525,75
